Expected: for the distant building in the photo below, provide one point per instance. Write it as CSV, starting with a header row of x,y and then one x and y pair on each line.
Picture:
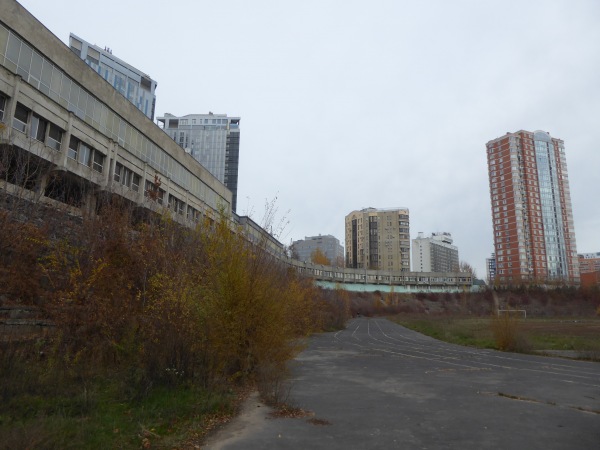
x,y
328,244
378,239
534,234
589,262
490,264
134,85
589,268
213,140
435,253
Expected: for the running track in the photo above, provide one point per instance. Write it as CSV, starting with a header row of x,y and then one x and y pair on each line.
x,y
377,385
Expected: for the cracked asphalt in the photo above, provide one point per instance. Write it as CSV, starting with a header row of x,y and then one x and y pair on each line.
x,y
378,385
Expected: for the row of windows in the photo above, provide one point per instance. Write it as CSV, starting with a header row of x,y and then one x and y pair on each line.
x,y
127,177
77,150
45,131
40,129
157,194
86,155
174,123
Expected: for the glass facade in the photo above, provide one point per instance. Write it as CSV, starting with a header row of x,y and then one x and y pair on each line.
x,y
551,209
132,84
37,70
534,236
213,140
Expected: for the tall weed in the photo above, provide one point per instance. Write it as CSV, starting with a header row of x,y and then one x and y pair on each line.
x,y
507,333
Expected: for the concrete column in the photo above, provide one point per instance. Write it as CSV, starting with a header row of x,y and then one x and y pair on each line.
x,y
143,184
89,203
167,191
42,183
13,101
113,163
64,145
110,157
187,199
12,105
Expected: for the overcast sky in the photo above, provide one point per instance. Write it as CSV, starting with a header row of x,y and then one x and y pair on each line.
x,y
353,104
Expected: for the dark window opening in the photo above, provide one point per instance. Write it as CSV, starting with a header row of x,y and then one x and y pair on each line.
x,y
127,177
54,137
146,84
21,118
38,128
73,146
176,205
2,106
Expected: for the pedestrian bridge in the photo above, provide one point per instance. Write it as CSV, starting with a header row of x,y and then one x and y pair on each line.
x,y
382,280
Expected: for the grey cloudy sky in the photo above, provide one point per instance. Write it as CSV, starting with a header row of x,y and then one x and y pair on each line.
x,y
350,104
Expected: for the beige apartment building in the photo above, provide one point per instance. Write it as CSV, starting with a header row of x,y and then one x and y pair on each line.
x,y
378,239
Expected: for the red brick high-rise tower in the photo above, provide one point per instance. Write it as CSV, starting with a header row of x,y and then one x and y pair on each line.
x,y
534,235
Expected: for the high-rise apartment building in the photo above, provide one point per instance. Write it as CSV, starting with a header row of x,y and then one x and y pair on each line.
x,y
534,235
213,140
328,244
135,85
435,253
378,239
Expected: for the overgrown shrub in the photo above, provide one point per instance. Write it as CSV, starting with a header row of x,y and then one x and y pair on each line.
x,y
507,334
159,303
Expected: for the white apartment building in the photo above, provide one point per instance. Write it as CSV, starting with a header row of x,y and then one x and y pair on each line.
x,y
435,253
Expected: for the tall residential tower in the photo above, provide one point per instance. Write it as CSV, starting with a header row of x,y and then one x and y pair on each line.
x,y
378,239
534,235
213,140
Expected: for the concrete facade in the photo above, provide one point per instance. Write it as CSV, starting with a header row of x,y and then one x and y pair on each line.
x,y
213,140
378,239
435,253
132,83
534,234
84,140
328,244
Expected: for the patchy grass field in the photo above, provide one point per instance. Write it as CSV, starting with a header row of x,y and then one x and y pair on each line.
x,y
535,334
46,413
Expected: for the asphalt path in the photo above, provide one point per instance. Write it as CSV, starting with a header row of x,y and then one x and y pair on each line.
x,y
377,385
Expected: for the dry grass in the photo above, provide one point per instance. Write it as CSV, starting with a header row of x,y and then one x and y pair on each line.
x,y
530,335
